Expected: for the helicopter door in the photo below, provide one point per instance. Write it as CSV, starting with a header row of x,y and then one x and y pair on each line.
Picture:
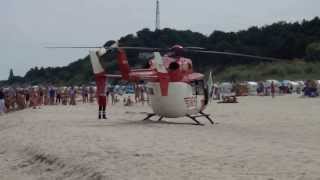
x,y
199,88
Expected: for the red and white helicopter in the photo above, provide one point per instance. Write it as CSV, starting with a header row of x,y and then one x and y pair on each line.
x,y
174,89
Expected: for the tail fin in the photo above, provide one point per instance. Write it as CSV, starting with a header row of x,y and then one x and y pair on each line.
x,y
123,64
96,65
162,73
99,73
159,63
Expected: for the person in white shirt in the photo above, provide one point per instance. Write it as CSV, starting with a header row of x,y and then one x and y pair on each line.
x,y
2,104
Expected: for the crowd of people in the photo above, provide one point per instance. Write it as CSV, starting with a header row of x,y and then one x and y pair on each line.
x,y
12,99
16,98
309,88
135,95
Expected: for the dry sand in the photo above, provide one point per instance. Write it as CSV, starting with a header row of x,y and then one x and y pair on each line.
x,y
259,138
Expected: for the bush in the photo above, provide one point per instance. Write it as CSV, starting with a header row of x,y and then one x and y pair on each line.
x,y
290,71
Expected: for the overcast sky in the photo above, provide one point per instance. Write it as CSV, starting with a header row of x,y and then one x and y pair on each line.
x,y
26,26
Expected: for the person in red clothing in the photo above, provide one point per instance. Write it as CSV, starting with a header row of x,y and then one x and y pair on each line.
x,y
102,102
101,82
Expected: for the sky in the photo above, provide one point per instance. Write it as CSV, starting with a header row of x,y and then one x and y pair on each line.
x,y
26,27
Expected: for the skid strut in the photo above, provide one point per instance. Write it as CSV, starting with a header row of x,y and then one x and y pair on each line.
x,y
207,116
201,114
193,117
148,117
160,119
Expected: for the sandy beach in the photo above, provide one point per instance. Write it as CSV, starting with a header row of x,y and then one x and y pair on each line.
x,y
258,138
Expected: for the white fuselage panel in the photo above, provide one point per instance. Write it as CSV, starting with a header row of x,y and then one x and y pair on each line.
x,y
181,100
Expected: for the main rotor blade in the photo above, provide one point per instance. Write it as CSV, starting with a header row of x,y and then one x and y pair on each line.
x,y
97,47
238,54
74,47
142,48
194,48
186,49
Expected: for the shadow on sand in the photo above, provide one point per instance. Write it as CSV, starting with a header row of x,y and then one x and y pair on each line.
x,y
125,122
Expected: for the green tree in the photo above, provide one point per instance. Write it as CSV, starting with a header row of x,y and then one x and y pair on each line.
x,y
282,39
313,52
11,77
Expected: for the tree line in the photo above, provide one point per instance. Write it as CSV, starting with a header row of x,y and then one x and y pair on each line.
x,y
285,40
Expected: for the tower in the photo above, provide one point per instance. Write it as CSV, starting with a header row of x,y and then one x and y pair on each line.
x,y
158,15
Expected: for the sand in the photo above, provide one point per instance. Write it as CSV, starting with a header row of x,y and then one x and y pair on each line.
x,y
258,138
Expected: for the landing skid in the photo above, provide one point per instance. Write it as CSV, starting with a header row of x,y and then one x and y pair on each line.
x,y
148,117
193,117
151,115
201,114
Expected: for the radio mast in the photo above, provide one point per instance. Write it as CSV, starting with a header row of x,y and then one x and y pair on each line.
x,y
158,15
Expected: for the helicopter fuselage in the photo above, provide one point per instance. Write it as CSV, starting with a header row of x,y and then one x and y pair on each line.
x,y
183,99
173,89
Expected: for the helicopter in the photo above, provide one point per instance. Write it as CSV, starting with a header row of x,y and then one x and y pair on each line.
x,y
173,88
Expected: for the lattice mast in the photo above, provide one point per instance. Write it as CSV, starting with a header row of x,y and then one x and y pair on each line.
x,y
158,15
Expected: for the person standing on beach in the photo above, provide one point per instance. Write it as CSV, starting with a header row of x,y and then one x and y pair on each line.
x,y
40,97
58,96
84,93
72,94
2,105
52,94
20,100
34,98
102,102
142,93
272,89
27,96
137,93
64,97
112,94
91,94
46,96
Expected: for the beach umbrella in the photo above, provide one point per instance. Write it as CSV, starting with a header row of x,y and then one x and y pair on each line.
x,y
318,86
252,88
